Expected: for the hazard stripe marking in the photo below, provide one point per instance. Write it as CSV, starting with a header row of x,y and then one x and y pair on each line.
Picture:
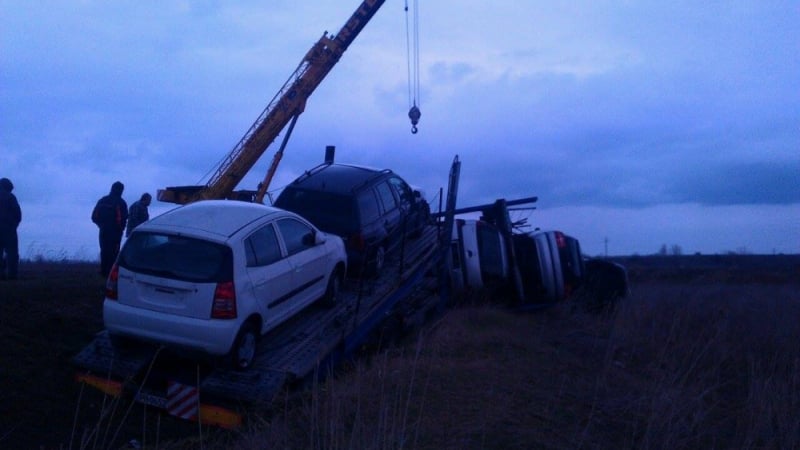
x,y
182,400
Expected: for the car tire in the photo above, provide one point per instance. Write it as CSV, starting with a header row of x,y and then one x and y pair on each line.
x,y
243,352
377,261
333,291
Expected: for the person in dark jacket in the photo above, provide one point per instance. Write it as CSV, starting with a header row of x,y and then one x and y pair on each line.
x,y
110,214
10,217
138,213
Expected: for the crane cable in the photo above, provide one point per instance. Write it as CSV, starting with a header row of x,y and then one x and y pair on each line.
x,y
412,58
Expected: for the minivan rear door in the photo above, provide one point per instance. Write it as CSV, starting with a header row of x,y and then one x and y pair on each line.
x,y
406,200
392,213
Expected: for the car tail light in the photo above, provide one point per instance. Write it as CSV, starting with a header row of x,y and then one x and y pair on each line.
x,y
224,306
561,242
112,292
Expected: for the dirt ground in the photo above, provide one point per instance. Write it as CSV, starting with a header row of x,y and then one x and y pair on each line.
x,y
46,317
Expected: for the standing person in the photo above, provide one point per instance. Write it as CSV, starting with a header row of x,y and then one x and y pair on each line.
x,y
110,214
10,217
138,213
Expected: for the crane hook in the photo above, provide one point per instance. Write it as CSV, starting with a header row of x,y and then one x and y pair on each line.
x,y
414,114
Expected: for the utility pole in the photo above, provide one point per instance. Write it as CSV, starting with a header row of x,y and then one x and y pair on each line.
x,y
605,241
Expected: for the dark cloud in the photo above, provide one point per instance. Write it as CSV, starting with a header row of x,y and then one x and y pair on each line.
x,y
621,108
629,138
759,182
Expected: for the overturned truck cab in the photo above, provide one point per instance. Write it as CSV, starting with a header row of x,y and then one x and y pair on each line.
x,y
549,264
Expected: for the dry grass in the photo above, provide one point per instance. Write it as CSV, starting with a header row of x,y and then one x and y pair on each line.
x,y
676,366
705,360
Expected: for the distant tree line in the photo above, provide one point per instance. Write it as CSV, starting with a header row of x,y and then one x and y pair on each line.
x,y
677,250
674,250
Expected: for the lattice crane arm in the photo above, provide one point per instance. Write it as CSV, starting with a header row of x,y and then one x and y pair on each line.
x,y
288,103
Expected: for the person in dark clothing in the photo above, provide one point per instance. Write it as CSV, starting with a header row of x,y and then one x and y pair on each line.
x,y
10,217
138,213
110,214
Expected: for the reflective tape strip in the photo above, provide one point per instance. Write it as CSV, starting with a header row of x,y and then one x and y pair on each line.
x,y
221,417
107,386
182,400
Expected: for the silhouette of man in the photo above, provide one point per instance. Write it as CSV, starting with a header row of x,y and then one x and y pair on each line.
x,y
138,213
110,214
10,217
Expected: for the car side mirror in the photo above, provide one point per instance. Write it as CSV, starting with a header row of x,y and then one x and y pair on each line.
x,y
313,238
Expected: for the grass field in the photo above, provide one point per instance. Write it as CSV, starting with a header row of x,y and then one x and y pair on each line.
x,y
703,354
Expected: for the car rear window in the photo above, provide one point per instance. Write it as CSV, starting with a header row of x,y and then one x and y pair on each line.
x,y
329,212
177,257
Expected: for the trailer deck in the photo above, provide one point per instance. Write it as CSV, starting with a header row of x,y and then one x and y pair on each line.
x,y
313,340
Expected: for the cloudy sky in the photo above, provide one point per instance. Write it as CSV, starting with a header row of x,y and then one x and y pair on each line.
x,y
637,123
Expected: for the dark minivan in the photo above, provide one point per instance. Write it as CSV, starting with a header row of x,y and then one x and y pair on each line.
x,y
373,210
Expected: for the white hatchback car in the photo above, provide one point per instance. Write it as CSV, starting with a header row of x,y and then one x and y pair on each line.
x,y
211,277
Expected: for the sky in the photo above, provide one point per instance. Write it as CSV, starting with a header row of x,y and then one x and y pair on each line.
x,y
637,124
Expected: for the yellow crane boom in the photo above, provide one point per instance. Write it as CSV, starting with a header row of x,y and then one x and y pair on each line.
x,y
288,103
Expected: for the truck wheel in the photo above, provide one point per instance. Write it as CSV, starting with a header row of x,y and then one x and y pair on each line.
x,y
333,290
244,347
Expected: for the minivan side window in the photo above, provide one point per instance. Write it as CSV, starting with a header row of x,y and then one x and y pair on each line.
x,y
262,247
404,192
386,196
294,233
368,206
